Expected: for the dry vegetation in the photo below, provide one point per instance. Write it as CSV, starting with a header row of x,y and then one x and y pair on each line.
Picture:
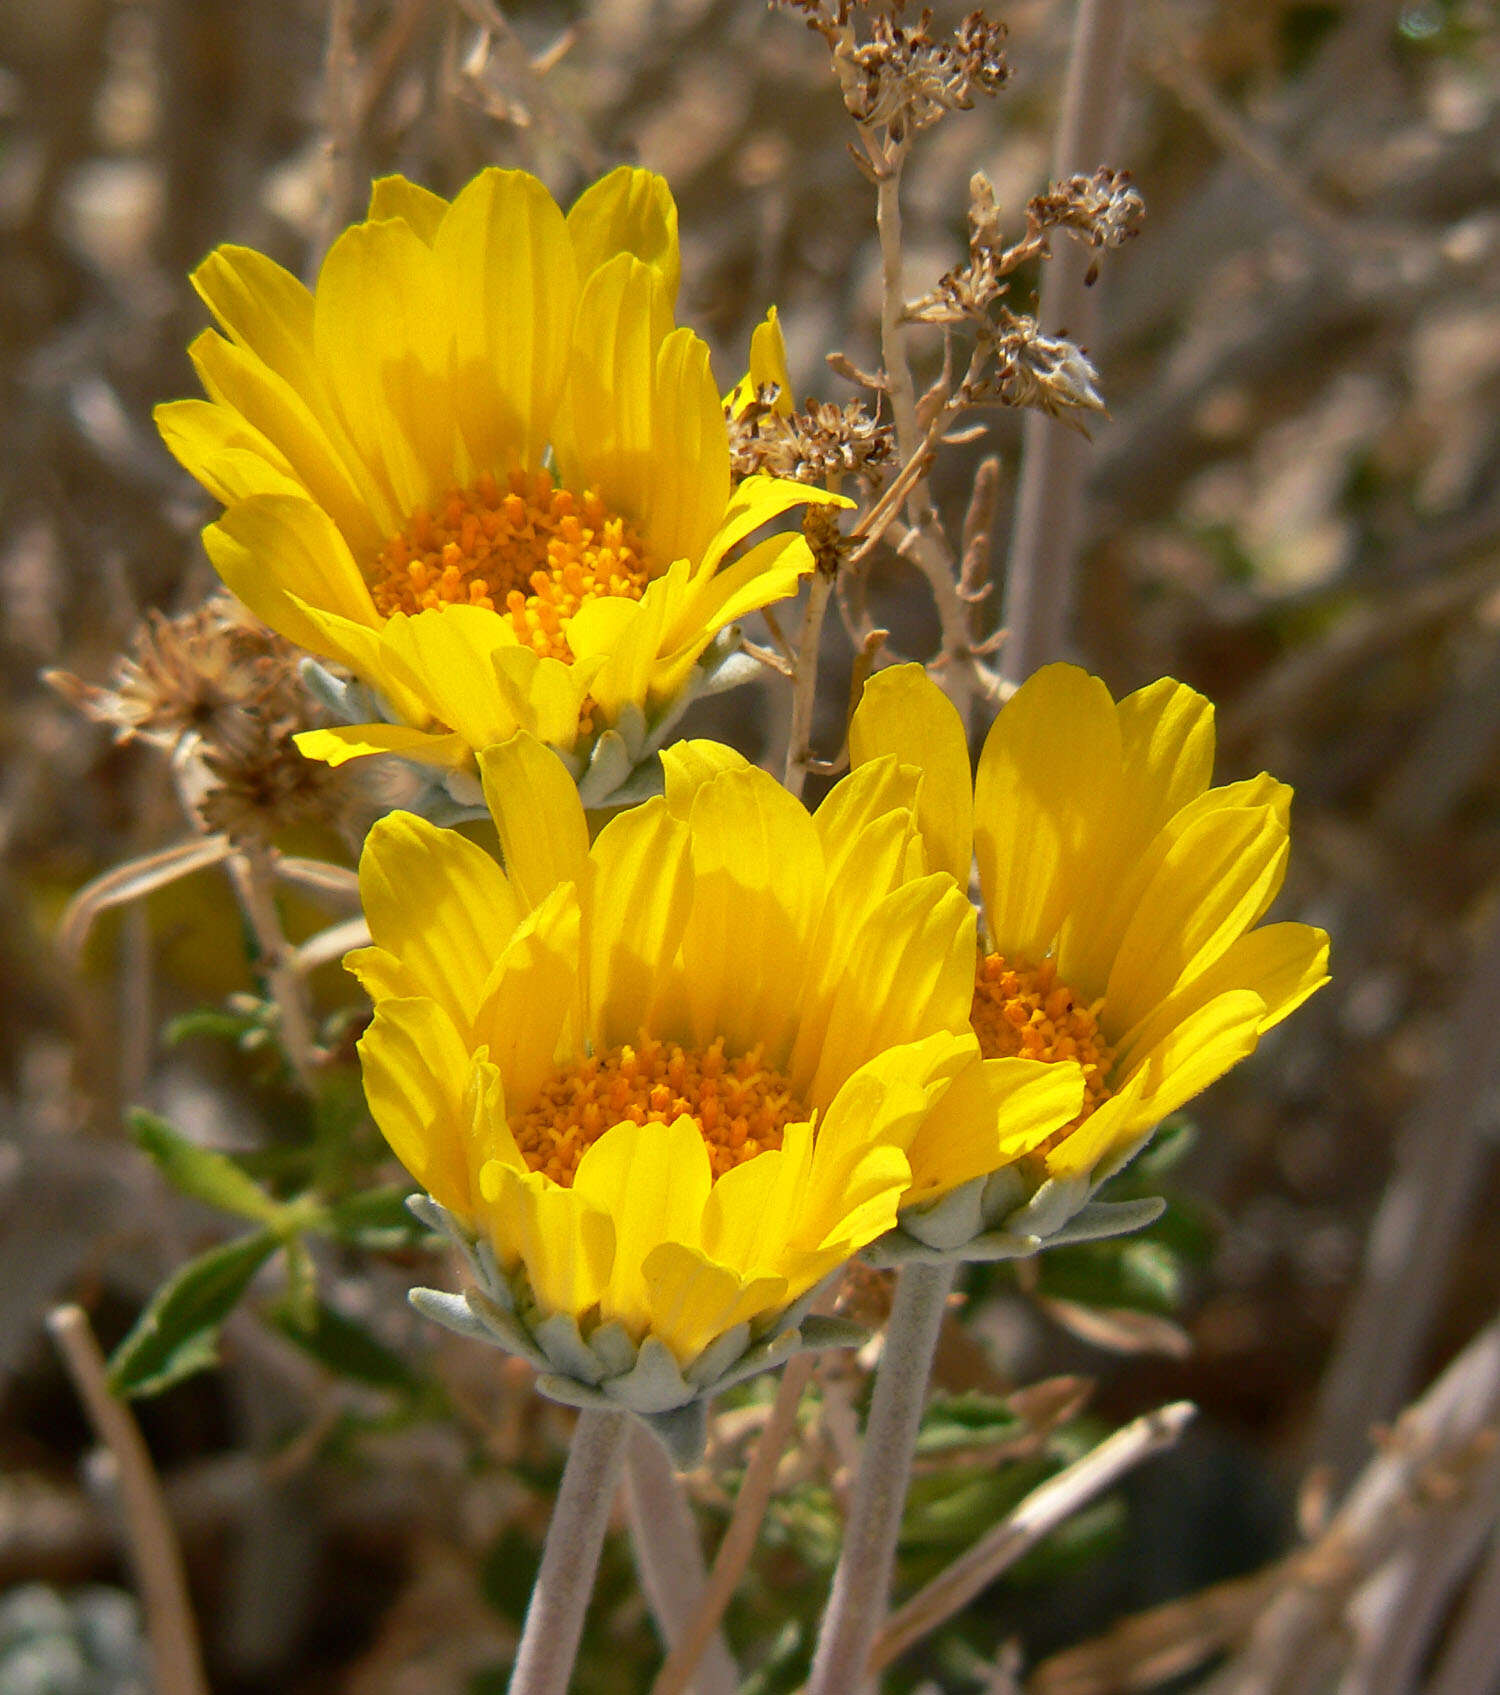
x,y
1292,504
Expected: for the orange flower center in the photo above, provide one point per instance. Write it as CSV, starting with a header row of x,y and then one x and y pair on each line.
x,y
532,551
1023,1011
740,1106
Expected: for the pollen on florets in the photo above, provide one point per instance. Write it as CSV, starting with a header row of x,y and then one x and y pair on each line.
x,y
1023,1011
522,547
740,1105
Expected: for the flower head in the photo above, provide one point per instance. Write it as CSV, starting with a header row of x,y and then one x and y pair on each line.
x,y
670,1081
1122,894
479,467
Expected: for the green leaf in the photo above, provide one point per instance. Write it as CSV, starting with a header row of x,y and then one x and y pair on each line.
x,y
200,1172
300,1300
966,1421
377,1218
349,1350
177,1334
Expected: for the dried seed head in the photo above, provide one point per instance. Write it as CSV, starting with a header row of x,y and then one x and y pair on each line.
x,y
1105,209
1049,373
820,443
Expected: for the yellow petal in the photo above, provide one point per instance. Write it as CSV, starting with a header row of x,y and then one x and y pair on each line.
x,y
273,547
860,1170
758,891
446,657
543,833
995,1111
395,197
653,1180
604,435
691,1300
415,1067
265,310
767,367
754,1211
380,974
525,1017
756,501
229,457
312,445
627,211
1167,739
903,712
566,1243
909,972
451,935
768,572
690,448
877,785
1211,886
687,766
1198,1052
634,641
383,334
508,266
638,907
1046,800
1282,963
340,743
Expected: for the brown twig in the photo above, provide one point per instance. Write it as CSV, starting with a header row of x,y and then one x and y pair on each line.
x,y
155,1556
341,108
1046,1507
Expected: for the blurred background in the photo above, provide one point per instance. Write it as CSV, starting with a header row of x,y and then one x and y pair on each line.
x,y
1294,505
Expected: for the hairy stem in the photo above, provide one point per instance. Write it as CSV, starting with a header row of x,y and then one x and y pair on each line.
x,y
575,1539
669,1557
862,1583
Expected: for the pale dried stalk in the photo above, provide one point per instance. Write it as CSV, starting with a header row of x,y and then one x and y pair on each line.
x,y
1431,1451
744,1527
1041,565
799,754
341,108
251,873
1046,1507
1420,1225
134,880
669,1557
570,1558
171,1632
1470,1664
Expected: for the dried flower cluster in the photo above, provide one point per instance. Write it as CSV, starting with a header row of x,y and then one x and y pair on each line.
x,y
820,444
903,79
217,687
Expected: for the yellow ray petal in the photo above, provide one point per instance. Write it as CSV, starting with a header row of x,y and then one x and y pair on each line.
x,y
1198,1052
1046,800
875,786
754,1209
274,546
1167,741
340,743
638,907
506,260
627,211
770,571
604,435
536,809
653,1180
758,891
566,1243
528,1007
265,309
415,1069
312,445
450,938
690,447
759,500
1282,963
380,974
692,1301
860,1170
384,343
767,367
903,712
395,197
634,640
994,1111
229,457
1211,886
446,656
687,766
909,971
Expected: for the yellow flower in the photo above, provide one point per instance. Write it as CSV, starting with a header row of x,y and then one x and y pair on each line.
x,y
671,1080
1122,894
767,370
480,468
